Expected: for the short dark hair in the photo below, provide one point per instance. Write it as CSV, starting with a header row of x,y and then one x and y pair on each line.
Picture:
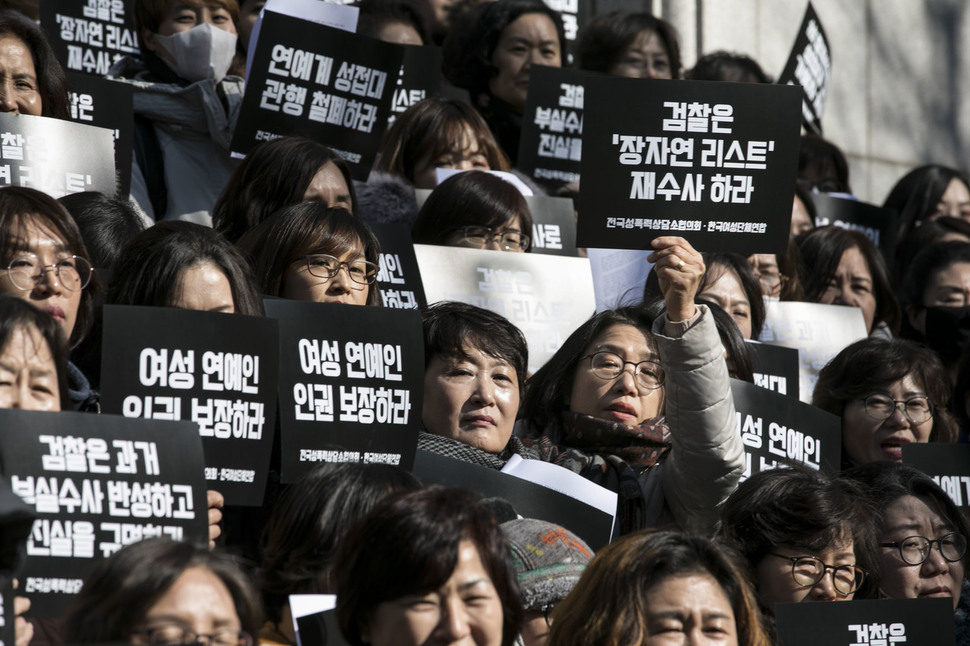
x,y
603,41
308,520
727,66
737,351
798,507
106,223
927,263
149,14
717,263
409,545
18,314
51,79
434,127
150,267
819,159
274,174
548,391
607,605
873,363
471,198
821,252
301,229
450,327
915,196
376,14
120,590
19,205
886,482
472,39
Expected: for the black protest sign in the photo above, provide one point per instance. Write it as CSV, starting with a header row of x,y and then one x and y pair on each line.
x,y
810,66
569,12
712,162
320,629
351,381
398,278
322,83
551,145
877,223
420,78
776,427
553,225
947,464
88,36
97,483
872,622
217,370
55,156
530,500
775,367
107,104
8,620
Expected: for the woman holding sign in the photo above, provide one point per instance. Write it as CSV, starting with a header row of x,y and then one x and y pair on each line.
x,y
490,52
642,406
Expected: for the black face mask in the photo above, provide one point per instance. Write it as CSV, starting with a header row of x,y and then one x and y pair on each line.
x,y
948,331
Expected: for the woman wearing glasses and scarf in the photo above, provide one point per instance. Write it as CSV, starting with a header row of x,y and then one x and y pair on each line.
x,y
644,407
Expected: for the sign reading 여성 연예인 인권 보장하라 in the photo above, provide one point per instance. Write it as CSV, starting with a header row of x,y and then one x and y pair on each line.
x,y
714,163
315,81
214,369
947,464
398,275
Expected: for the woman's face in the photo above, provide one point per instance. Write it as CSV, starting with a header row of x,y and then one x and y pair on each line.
x,y
18,78
620,399
935,577
198,602
329,187
300,285
472,237
530,39
726,291
471,156
183,17
248,13
48,293
852,285
765,268
775,581
691,609
955,201
28,375
465,610
646,57
801,221
866,439
473,399
204,287
949,287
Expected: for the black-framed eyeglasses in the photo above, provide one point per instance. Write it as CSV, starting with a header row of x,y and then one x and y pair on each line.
x,y
26,270
173,634
324,265
916,409
809,570
609,365
914,550
771,283
481,237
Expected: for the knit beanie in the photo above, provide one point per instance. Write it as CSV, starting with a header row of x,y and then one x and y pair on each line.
x,y
548,560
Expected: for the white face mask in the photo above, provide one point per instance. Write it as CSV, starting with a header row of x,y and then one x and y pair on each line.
x,y
203,52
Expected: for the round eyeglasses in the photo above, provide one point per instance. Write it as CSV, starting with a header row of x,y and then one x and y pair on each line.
x,y
27,270
809,570
916,409
326,266
916,549
481,237
173,634
608,365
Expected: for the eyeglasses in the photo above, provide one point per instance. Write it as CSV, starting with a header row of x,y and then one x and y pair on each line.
x,y
481,237
771,283
171,634
917,409
916,549
607,365
809,570
27,270
323,265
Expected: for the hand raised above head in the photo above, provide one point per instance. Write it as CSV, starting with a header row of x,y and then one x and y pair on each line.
x,y
680,271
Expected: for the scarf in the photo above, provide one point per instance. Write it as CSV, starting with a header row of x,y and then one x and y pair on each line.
x,y
610,454
467,453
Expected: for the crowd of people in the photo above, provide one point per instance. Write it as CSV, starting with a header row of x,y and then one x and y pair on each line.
x,y
637,399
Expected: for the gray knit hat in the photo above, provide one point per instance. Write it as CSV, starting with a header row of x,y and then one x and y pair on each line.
x,y
548,560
